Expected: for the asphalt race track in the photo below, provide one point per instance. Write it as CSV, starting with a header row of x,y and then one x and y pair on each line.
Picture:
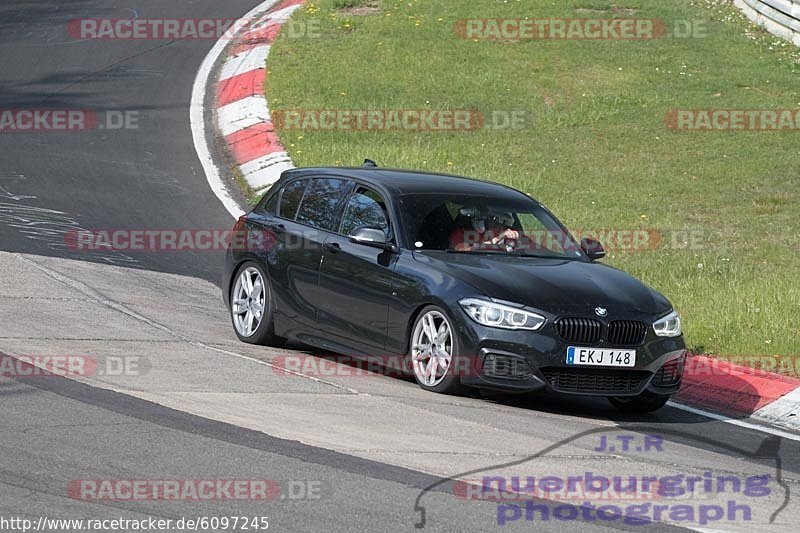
x,y
145,178
348,452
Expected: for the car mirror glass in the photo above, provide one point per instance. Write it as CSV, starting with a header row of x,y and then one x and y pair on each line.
x,y
592,248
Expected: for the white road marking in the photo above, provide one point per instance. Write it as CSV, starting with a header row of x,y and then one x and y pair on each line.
x,y
735,422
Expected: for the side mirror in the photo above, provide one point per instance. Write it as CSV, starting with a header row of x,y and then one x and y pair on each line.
x,y
592,248
371,237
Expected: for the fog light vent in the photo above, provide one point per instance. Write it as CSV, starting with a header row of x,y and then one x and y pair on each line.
x,y
506,367
669,374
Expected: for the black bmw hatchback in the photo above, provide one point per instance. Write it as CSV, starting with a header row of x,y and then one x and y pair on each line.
x,y
467,283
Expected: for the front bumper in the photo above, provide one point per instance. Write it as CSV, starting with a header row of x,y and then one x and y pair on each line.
x,y
526,361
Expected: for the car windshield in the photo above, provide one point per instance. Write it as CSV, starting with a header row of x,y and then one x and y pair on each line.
x,y
483,225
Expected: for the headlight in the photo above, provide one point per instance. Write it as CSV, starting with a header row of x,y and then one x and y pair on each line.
x,y
668,326
497,315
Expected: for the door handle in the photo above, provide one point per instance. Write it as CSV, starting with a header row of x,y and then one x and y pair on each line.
x,y
332,247
279,228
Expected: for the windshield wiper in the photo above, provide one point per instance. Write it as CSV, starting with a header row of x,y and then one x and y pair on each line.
x,y
544,256
510,254
489,252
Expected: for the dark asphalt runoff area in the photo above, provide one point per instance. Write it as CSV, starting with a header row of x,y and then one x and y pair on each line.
x,y
55,432
143,178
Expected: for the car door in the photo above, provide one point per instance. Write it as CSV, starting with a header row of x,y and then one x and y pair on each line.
x,y
355,282
307,209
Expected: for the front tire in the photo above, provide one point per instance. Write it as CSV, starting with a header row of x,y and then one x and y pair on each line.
x,y
251,306
434,352
646,402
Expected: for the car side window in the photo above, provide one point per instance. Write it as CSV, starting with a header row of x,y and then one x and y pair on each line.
x,y
318,208
366,209
290,198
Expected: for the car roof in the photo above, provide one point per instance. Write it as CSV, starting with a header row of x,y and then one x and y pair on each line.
x,y
401,182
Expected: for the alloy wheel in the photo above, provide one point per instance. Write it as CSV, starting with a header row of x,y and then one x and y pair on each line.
x,y
432,348
248,302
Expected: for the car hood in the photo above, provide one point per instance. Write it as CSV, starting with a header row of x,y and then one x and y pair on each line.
x,y
557,286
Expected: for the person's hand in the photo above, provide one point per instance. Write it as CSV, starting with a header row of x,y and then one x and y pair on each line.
x,y
506,235
510,235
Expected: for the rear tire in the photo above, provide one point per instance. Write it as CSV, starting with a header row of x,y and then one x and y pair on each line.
x,y
251,306
646,402
434,352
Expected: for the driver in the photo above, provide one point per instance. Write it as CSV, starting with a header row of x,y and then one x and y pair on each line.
x,y
490,231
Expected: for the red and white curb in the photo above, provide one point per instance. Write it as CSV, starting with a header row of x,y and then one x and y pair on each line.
x,y
737,391
242,113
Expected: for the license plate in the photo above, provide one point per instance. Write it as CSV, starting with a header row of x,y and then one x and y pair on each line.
x,y
600,357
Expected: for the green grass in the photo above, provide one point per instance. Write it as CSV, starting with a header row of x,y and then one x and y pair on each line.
x,y
596,150
248,192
